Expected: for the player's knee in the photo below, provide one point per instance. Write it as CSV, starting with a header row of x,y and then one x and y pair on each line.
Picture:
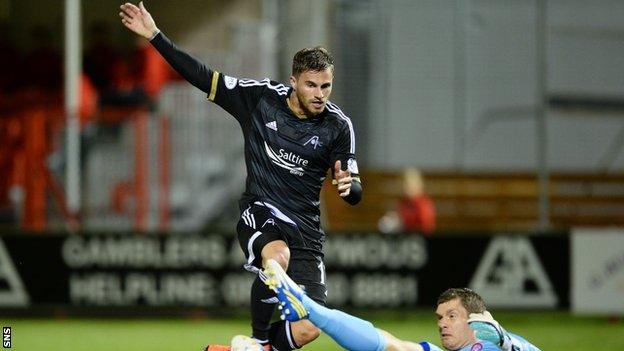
x,y
282,260
278,251
305,332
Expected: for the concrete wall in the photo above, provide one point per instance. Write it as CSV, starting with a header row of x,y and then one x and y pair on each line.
x,y
456,84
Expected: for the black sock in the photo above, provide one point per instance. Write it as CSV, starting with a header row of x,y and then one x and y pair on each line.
x,y
280,336
261,312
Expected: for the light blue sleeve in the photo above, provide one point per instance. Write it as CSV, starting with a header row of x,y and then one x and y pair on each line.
x,y
427,346
521,344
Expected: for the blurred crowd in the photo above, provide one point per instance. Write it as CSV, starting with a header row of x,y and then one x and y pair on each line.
x,y
110,76
113,83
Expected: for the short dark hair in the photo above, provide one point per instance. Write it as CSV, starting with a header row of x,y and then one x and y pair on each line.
x,y
312,59
471,301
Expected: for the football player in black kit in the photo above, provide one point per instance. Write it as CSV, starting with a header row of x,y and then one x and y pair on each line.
x,y
293,135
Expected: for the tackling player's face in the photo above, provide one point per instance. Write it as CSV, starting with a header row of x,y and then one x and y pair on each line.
x,y
312,89
453,325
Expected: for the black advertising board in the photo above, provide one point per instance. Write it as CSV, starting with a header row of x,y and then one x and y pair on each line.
x,y
367,270
394,271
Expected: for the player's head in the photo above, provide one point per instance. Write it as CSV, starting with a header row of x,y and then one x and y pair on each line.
x,y
470,300
454,307
314,59
311,79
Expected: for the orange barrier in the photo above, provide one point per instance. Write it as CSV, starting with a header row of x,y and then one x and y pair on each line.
x,y
23,159
164,153
137,188
141,172
35,185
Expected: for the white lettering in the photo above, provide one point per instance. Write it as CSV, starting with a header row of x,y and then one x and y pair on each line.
x,y
140,287
95,289
101,289
382,290
235,289
145,252
376,252
6,337
337,289
292,157
196,289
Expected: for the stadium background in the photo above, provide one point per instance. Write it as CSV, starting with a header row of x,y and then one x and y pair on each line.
x,y
118,201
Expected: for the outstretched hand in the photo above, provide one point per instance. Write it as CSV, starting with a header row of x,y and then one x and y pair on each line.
x,y
487,328
138,20
343,178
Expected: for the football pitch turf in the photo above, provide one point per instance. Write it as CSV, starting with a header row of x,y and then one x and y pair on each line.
x,y
551,331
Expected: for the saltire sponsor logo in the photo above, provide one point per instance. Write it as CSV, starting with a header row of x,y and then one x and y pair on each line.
x,y
282,158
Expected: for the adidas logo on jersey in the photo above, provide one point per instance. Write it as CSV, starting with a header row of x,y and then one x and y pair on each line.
x,y
272,125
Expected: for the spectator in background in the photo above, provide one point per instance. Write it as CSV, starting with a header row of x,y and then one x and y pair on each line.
x,y
415,211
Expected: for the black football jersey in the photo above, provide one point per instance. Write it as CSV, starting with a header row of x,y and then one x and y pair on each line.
x,y
287,158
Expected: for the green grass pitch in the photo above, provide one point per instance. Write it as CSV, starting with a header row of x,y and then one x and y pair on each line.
x,y
551,331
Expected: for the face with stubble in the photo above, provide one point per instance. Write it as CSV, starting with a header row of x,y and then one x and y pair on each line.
x,y
312,90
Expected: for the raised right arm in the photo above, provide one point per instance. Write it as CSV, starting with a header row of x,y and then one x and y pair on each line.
x,y
140,21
